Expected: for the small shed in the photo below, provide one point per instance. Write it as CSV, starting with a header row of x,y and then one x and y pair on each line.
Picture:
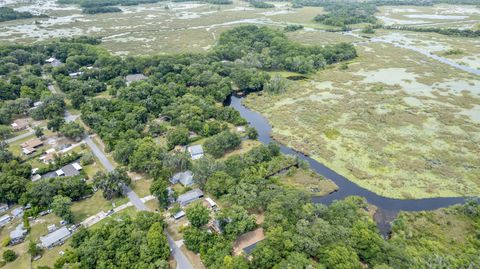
x,y
196,152
211,204
189,197
180,214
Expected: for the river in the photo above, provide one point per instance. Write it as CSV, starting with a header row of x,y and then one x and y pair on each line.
x,y
388,207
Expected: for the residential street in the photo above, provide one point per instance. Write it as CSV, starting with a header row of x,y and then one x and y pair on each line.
x,y
182,261
18,137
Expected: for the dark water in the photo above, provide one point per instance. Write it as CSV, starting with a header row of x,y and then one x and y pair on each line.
x,y
346,187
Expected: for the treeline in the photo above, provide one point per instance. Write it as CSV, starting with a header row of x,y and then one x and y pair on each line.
x,y
103,3
261,4
9,14
341,14
443,31
122,242
96,10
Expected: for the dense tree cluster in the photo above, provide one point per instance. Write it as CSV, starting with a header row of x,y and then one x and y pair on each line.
x,y
111,183
271,50
261,4
9,14
219,144
123,242
42,192
97,10
341,14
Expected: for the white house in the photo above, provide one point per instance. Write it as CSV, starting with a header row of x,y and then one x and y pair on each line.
x,y
4,220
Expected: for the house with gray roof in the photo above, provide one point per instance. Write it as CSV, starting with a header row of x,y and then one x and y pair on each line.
x,y
69,170
189,197
134,77
196,152
55,238
17,212
184,178
18,235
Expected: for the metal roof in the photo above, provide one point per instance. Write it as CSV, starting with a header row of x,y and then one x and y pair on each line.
x,y
55,237
190,195
195,150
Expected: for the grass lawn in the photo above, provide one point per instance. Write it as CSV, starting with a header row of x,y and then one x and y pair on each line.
x,y
244,147
142,187
306,180
91,206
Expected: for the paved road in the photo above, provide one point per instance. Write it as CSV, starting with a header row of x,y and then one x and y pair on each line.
x,y
132,196
182,261
18,137
99,154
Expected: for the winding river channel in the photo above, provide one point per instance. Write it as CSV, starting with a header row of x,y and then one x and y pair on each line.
x,y
346,187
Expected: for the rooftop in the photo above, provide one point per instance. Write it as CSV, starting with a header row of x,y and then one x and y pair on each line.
x,y
32,143
190,195
54,237
68,170
195,150
134,77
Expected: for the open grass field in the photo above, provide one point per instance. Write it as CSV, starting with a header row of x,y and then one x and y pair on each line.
x,y
307,181
395,122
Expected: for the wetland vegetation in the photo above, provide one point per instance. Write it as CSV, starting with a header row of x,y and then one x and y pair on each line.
x,y
393,120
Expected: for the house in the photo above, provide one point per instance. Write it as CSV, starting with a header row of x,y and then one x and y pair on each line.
x,y
48,158
134,77
53,62
3,207
55,238
247,242
19,124
196,152
69,170
180,214
189,197
31,146
18,235
5,219
184,178
17,212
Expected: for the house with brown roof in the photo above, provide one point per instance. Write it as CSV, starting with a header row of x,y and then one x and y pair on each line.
x,y
31,146
19,124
